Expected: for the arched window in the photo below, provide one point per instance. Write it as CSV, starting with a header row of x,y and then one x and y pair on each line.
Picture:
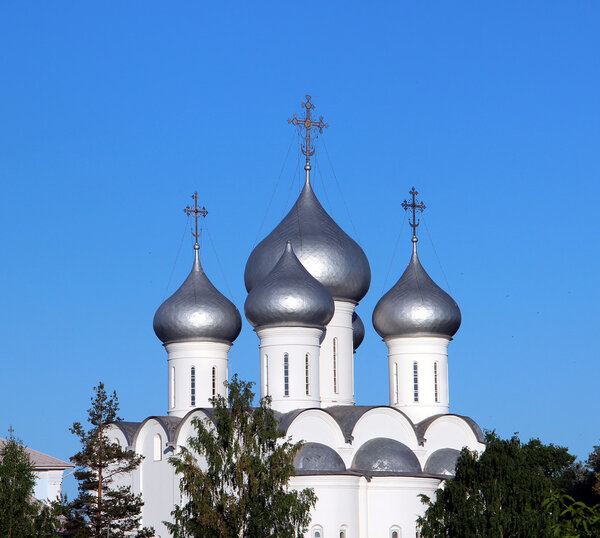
x,y
415,381
157,447
193,386
435,382
286,374
344,531
266,370
335,365
395,532
317,531
214,381
307,372
395,381
172,386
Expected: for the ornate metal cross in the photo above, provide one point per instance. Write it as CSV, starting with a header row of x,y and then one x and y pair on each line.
x,y
309,124
197,212
414,206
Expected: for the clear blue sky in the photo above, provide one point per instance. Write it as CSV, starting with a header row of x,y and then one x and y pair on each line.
x,y
113,113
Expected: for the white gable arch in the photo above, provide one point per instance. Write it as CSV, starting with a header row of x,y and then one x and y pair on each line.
x,y
384,422
317,426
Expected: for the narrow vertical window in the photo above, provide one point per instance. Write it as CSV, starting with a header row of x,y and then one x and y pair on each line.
x,y
266,369
193,386
157,447
307,372
415,382
435,382
286,374
335,365
172,387
214,381
395,383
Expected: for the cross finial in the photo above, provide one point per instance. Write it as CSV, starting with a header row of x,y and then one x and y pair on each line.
x,y
308,124
197,212
414,206
11,432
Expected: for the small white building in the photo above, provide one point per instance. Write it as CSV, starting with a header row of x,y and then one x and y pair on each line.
x,y
367,464
48,474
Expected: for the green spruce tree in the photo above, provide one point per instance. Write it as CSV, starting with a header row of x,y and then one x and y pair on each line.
x,y
242,491
500,492
21,515
103,508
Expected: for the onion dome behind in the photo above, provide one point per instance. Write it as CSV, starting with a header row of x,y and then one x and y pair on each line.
x,y
323,248
358,331
289,296
416,306
197,311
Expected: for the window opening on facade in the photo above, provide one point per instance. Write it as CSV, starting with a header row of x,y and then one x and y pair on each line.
x,y
193,386
172,387
335,365
286,374
307,372
415,382
266,367
396,396
214,381
157,447
435,382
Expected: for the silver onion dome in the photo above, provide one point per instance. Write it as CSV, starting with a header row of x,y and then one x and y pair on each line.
x,y
289,296
197,311
416,306
323,248
358,331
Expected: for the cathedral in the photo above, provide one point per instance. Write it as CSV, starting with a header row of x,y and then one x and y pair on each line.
x,y
367,464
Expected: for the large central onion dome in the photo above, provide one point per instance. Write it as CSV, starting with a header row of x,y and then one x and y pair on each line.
x,y
289,296
323,248
197,311
416,306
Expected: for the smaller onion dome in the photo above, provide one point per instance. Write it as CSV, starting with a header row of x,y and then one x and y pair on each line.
x,y
416,306
197,311
385,455
289,296
358,331
317,457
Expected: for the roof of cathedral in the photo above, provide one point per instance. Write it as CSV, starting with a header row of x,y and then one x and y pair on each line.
x,y
383,455
416,306
289,296
442,461
41,461
358,330
313,457
197,311
325,250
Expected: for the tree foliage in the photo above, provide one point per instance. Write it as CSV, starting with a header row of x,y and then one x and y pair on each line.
x,y
500,492
103,508
21,515
242,491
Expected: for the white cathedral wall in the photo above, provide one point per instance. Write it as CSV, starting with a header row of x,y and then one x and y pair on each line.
x,y
426,352
338,388
296,343
394,501
156,476
203,357
338,504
